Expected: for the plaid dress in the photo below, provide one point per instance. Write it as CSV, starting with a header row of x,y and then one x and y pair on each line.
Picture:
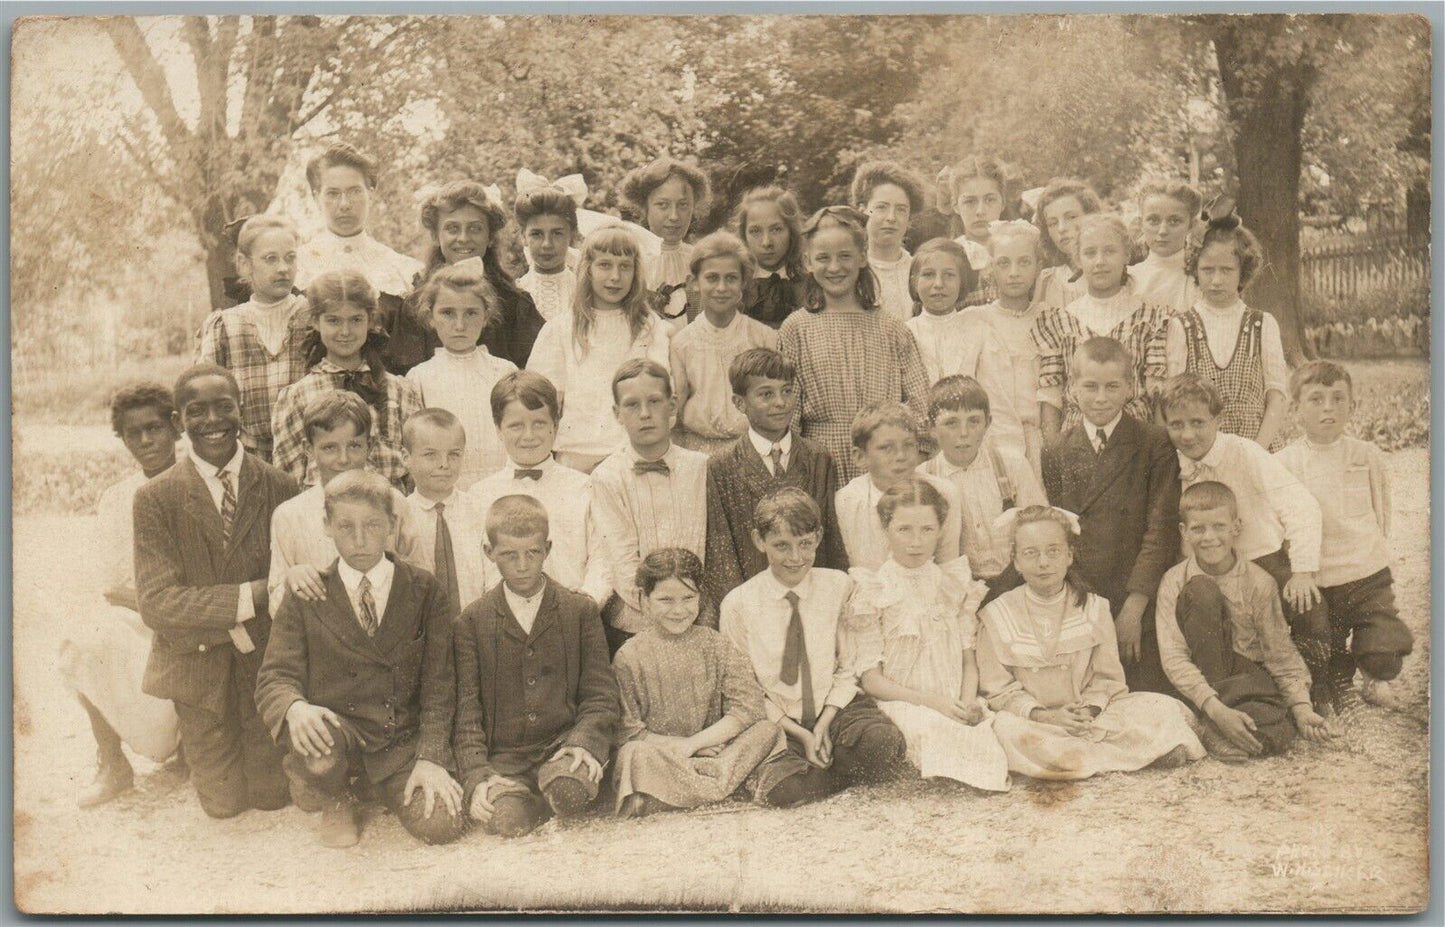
x,y
1241,380
846,360
288,423
1058,332
232,338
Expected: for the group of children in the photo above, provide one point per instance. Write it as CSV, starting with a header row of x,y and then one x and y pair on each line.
x,y
766,515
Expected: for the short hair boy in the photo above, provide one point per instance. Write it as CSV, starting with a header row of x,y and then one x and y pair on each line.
x,y
1223,638
768,456
885,446
337,429
526,409
538,704
102,656
1347,477
1281,520
649,494
990,480
364,678
785,621
449,523
1121,477
202,540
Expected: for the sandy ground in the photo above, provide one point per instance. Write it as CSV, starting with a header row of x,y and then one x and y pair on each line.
x,y
1322,830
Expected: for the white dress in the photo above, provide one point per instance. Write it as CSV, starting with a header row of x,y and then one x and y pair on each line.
x,y
462,384
893,285
1162,280
915,625
552,293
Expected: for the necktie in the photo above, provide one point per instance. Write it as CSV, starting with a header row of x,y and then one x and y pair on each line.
x,y
444,562
651,466
533,475
777,457
1103,439
795,661
369,621
228,505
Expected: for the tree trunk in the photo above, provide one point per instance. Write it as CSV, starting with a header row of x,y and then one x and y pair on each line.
x,y
1268,94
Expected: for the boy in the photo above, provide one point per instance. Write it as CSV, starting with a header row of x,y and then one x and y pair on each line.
x,y
202,539
769,456
449,523
649,494
785,621
363,679
989,480
1347,478
889,196
526,410
1120,476
103,655
338,439
1223,639
538,704
885,445
1281,520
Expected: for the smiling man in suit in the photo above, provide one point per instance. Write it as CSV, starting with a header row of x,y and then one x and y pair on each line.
x,y
1121,477
362,681
202,550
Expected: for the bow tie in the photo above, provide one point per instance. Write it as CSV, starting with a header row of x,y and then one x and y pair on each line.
x,y
526,474
651,466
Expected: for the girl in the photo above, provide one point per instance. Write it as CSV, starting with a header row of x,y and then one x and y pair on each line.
x,y
610,322
889,196
1109,307
262,341
771,223
547,217
1062,204
1166,213
847,351
980,191
910,635
1015,256
953,342
702,352
668,194
458,302
343,310
464,221
693,727
1253,376
1049,666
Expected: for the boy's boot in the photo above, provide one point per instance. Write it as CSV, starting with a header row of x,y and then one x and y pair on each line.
x,y
340,825
113,773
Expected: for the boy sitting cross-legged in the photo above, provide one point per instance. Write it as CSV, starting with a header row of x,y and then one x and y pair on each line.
x,y
768,456
1223,639
538,705
785,621
338,439
363,680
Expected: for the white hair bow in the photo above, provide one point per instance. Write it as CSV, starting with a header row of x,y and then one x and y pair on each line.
x,y
1006,226
1004,524
473,264
420,197
572,185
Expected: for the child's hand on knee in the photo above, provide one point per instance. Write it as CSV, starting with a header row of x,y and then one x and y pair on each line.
x,y
481,807
304,582
1311,726
307,724
1301,592
1237,727
434,782
581,758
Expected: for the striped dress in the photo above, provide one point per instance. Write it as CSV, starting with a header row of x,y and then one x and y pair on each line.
x,y
1140,328
846,360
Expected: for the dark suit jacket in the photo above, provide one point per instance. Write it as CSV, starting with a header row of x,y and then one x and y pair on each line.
x,y
1127,500
398,688
736,479
567,639
187,581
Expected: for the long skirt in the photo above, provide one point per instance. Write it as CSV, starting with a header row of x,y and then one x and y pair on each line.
x,y
697,780
103,658
941,746
1136,729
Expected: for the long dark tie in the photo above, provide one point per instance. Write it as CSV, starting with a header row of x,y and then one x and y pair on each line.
x,y
444,562
1103,440
228,505
369,620
795,661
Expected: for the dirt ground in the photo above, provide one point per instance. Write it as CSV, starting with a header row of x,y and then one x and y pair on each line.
x,y
1323,830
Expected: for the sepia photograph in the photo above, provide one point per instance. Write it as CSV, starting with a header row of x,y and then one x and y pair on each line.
x,y
694,463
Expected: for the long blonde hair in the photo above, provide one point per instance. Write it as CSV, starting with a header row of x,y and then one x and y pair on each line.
x,y
619,242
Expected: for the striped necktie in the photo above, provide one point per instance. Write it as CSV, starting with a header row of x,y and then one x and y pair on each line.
x,y
369,621
228,505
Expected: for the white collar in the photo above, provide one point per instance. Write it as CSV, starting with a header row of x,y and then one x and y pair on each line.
x,y
523,603
1201,305
774,589
470,357
889,265
427,504
781,270
362,238
947,467
379,575
634,457
211,471
764,447
1316,446
1093,429
545,464
1173,261
1212,458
